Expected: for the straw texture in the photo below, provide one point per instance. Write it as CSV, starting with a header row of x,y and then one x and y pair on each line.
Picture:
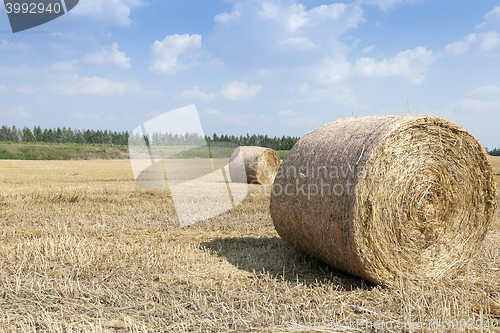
x,y
386,197
261,165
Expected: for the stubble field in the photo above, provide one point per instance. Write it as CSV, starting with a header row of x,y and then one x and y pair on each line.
x,y
83,249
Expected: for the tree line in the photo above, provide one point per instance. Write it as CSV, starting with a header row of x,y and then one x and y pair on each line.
x,y
494,152
68,135
63,135
167,139
276,143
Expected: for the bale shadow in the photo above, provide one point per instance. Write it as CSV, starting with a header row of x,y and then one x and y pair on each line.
x,y
272,255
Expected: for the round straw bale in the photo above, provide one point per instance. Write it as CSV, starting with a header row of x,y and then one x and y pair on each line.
x,y
261,165
386,197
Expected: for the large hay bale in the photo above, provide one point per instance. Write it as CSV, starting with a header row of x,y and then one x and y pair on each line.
x,y
261,165
386,197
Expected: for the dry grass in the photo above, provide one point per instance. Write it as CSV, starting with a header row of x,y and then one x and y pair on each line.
x,y
83,249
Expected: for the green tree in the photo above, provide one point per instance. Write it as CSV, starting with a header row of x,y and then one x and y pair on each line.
x,y
37,134
27,135
494,152
5,133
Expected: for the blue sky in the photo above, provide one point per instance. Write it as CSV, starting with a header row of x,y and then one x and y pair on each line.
x,y
266,67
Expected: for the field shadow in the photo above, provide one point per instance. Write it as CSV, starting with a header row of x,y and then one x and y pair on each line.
x,y
272,255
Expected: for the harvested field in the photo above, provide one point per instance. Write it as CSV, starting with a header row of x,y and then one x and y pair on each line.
x,y
82,248
495,163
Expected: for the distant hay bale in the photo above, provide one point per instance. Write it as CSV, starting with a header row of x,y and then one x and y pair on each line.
x,y
261,165
386,197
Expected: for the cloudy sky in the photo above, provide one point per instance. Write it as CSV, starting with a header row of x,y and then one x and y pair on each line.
x,y
276,67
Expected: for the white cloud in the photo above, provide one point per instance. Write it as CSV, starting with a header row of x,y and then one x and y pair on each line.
x,y
480,42
5,45
302,88
477,106
329,12
493,15
287,113
341,95
128,120
295,16
239,90
252,39
243,120
462,46
486,90
473,107
85,116
74,85
114,12
108,55
196,93
368,49
65,66
26,89
491,19
175,53
483,42
211,111
409,64
334,69
3,88
124,120
16,112
298,122
232,91
153,114
300,43
388,4
291,17
225,17
489,41
106,35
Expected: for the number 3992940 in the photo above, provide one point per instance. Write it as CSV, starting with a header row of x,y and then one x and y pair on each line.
x,y
32,8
